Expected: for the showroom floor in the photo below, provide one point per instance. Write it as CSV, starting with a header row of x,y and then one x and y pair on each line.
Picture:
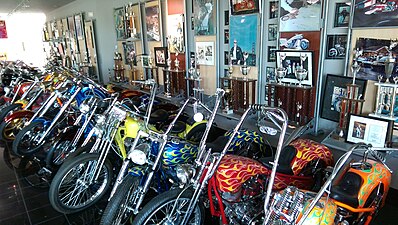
x,y
21,204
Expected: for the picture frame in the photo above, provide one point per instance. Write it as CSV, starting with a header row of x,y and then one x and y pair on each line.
x,y
145,61
290,59
226,36
205,53
336,46
79,26
204,17
226,58
273,9
272,32
369,130
334,89
244,7
226,18
118,16
310,22
243,42
374,15
270,71
130,53
161,55
71,27
153,23
271,57
342,15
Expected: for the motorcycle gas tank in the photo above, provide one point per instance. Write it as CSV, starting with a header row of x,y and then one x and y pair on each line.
x,y
234,170
323,213
132,127
177,152
371,179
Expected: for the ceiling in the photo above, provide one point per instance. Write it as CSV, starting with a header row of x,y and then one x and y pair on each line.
x,y
7,6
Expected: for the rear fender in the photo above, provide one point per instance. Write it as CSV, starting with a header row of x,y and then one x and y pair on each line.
x,y
19,114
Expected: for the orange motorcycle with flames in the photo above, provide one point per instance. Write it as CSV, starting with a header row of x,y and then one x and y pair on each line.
x,y
353,194
236,185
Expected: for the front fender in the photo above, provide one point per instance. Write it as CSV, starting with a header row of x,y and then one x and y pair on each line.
x,y
137,171
19,114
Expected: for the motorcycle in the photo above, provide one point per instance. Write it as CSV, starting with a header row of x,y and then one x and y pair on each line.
x,y
353,193
296,42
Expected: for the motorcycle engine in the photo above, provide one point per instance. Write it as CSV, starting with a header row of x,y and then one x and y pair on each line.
x,y
286,206
243,206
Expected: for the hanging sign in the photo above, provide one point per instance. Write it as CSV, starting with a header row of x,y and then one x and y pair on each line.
x,y
3,29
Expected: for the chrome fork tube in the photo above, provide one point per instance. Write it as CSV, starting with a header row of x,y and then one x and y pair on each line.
x,y
27,91
33,100
120,177
84,126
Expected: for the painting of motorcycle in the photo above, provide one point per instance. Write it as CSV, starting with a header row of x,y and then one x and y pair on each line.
x,y
336,46
204,17
341,15
372,57
300,15
152,23
243,44
375,13
239,7
294,61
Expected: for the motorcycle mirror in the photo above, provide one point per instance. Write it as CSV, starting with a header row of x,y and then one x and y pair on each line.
x,y
268,130
198,117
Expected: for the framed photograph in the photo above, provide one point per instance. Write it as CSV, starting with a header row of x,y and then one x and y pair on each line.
x,y
271,54
239,7
342,15
272,32
205,53
204,17
118,16
145,59
161,56
226,18
152,23
372,13
79,27
3,29
243,42
270,71
273,9
300,15
369,130
335,88
291,60
336,46
130,53
175,33
226,36
226,58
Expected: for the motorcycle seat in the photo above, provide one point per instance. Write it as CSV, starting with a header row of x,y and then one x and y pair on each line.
x,y
159,115
346,191
178,127
285,159
218,144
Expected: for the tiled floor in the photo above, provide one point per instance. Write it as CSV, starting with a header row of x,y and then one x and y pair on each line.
x,y
21,204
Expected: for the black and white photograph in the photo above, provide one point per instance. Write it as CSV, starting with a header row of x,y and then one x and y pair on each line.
x,y
359,130
272,32
205,53
270,71
292,61
336,46
273,9
130,53
204,17
161,56
271,54
226,36
342,15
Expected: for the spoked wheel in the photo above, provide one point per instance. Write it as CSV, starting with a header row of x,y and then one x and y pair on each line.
x,y
160,210
74,189
58,153
26,141
118,210
8,130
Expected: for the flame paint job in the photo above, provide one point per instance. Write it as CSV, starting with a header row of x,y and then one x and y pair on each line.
x,y
322,214
244,136
178,152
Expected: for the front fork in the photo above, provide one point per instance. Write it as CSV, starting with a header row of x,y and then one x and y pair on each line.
x,y
120,177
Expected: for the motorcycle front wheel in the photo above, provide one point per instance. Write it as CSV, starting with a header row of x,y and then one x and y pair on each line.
x,y
72,190
159,209
118,209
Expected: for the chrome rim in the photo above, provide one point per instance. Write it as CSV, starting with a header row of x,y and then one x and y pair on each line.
x,y
125,210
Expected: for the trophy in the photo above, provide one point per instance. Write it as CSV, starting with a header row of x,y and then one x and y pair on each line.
x,y
230,67
355,67
389,66
192,69
176,62
280,73
245,69
300,74
118,68
227,99
130,20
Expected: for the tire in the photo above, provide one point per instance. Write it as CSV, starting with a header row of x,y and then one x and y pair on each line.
x,y
9,130
165,201
116,211
9,109
66,180
25,143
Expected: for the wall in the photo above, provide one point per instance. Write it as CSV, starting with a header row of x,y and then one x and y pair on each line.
x,y
104,26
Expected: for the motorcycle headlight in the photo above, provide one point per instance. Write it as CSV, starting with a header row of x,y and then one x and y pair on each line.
x,y
84,108
100,119
138,154
185,172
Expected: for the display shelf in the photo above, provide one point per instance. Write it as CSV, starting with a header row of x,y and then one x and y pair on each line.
x,y
243,92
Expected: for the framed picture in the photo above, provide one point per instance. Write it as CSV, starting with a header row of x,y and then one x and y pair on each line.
x,y
272,32
372,13
3,29
226,36
239,7
118,16
204,17
226,58
205,53
273,9
145,61
152,23
306,16
370,130
243,42
336,46
271,54
79,27
175,33
335,88
291,60
270,71
226,18
130,53
161,56
71,27
342,15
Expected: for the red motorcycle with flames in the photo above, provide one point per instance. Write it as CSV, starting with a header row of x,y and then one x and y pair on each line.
x,y
236,185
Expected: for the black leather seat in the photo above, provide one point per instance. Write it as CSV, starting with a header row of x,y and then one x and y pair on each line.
x,y
286,157
159,115
218,144
178,127
347,189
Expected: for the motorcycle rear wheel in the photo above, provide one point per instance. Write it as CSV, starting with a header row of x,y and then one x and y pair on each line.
x,y
25,143
158,209
70,191
117,211
9,109
8,130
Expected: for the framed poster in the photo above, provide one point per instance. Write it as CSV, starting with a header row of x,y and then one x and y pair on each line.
x,y
335,88
369,130
145,61
291,60
161,56
342,15
241,41
374,13
204,17
239,7
205,53
336,46
130,53
175,33
300,15
153,23
118,16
